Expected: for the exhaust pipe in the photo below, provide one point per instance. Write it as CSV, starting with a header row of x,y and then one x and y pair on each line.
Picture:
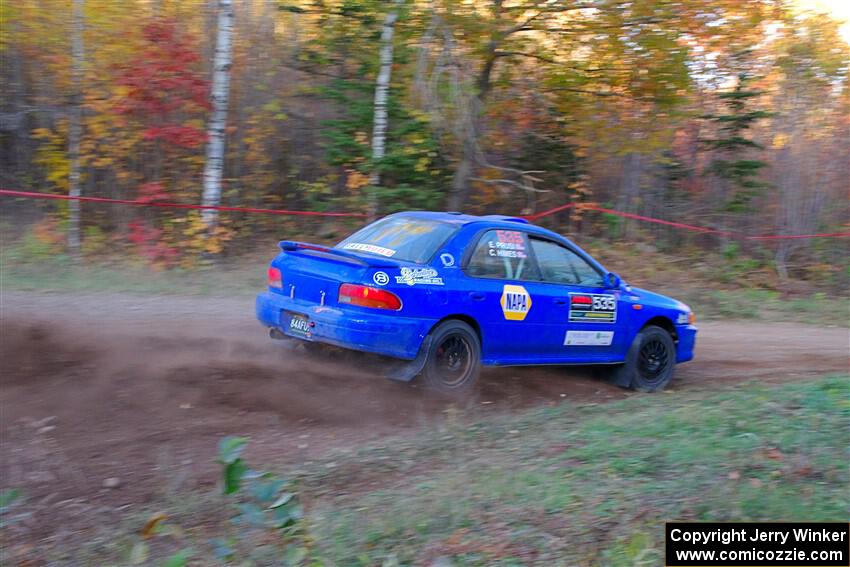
x,y
275,334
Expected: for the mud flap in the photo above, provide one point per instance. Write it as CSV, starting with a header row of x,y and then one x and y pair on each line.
x,y
405,371
619,376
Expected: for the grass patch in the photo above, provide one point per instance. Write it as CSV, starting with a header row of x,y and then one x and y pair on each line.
x,y
578,485
63,275
816,308
593,485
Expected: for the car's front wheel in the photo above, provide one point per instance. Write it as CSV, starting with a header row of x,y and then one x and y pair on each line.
x,y
650,361
454,358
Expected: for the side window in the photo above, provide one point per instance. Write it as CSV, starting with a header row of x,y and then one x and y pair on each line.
x,y
502,254
559,264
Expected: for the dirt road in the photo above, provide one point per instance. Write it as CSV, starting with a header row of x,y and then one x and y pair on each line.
x,y
140,389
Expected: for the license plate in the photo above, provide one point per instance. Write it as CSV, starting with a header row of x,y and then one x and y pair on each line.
x,y
299,325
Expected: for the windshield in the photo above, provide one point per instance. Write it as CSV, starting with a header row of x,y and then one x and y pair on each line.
x,y
408,239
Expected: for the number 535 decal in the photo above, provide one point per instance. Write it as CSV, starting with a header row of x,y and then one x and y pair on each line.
x,y
593,308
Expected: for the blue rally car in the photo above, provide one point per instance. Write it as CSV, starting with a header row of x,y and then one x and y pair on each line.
x,y
449,292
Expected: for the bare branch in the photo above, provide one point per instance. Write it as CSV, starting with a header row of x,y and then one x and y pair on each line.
x,y
524,54
311,71
597,93
526,24
519,172
517,184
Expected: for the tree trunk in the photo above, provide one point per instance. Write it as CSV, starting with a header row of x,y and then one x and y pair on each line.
x,y
459,192
218,120
629,189
382,86
75,126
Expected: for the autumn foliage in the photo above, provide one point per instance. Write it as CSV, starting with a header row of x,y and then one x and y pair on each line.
x,y
507,106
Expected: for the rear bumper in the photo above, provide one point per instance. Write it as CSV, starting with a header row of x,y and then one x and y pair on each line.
x,y
687,335
386,334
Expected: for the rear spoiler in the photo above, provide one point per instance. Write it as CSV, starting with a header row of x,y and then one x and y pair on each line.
x,y
337,254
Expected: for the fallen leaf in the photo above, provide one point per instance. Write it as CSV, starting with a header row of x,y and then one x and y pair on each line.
x,y
139,553
152,523
774,454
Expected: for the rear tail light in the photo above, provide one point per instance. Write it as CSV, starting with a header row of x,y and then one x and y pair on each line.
x,y
366,296
275,278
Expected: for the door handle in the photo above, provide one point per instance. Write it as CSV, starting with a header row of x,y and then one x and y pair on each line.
x,y
477,296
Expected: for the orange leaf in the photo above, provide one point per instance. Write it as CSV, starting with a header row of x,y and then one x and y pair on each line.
x,y
152,523
774,454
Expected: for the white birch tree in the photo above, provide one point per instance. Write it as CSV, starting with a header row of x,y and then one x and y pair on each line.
x,y
219,96
75,126
382,86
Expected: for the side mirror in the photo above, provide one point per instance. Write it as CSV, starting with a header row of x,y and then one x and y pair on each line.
x,y
612,280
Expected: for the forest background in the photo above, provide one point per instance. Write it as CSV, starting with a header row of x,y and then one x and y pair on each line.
x,y
724,114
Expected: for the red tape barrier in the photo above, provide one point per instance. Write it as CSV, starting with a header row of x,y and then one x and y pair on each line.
x,y
693,228
534,217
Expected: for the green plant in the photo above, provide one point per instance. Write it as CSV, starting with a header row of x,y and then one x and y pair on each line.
x,y
157,526
613,224
9,499
731,251
43,241
266,523
95,242
267,510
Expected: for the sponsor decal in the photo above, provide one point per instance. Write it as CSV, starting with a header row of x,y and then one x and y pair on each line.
x,y
588,338
593,308
508,244
371,248
447,259
381,278
415,276
516,302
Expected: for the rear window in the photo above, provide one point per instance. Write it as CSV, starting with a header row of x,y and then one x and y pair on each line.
x,y
408,239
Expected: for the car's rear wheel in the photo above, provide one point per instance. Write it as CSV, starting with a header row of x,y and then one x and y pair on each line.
x,y
454,358
650,361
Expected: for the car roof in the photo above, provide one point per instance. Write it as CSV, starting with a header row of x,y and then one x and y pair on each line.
x,y
498,221
495,221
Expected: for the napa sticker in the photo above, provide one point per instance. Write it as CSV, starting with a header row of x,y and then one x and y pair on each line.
x,y
588,338
516,302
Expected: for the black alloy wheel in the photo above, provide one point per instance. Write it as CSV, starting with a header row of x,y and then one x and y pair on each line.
x,y
454,358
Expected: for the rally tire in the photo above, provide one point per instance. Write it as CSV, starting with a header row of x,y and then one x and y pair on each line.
x,y
453,362
650,362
